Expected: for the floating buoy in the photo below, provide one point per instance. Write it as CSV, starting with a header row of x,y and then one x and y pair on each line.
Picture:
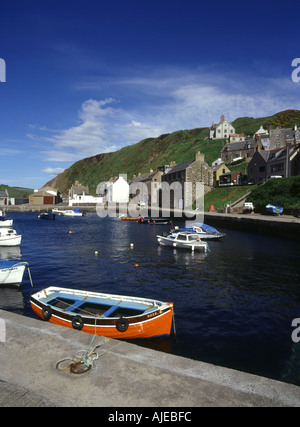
x,y
136,265
96,252
70,232
131,245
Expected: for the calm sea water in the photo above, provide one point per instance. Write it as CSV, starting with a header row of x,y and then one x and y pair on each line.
x,y
233,307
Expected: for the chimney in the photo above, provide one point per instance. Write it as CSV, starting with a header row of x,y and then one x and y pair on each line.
x,y
199,157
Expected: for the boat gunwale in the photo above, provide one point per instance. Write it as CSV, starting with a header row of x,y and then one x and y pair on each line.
x,y
158,307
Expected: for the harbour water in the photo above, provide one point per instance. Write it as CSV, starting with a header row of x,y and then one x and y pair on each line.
x,y
234,306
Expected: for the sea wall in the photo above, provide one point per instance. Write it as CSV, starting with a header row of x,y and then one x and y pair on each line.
x,y
281,226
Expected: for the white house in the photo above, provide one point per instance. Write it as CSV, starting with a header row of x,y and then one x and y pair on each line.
x,y
223,129
116,191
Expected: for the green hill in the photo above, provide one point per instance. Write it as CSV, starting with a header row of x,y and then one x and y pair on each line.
x,y
17,192
179,146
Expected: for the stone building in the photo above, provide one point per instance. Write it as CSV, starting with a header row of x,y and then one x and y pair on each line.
x,y
281,137
240,150
188,174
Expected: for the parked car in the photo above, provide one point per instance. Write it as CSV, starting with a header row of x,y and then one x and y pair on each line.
x,y
248,207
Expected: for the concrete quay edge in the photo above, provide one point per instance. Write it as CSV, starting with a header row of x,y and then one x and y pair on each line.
x,y
124,375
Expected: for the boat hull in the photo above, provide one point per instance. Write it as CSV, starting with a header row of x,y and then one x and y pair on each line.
x,y
165,241
10,240
6,223
150,324
11,275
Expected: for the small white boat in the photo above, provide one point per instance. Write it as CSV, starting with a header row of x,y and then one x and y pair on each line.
x,y
73,212
9,237
57,211
11,272
183,240
3,221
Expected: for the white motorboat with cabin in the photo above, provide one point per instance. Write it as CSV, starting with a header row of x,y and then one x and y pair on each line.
x,y
183,240
9,237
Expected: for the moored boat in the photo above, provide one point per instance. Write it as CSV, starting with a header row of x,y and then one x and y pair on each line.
x,y
184,240
72,212
130,218
9,237
113,316
47,215
11,272
204,231
3,221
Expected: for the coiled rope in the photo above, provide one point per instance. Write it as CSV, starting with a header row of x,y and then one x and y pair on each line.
x,y
83,364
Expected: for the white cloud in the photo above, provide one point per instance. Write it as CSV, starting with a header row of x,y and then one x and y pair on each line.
x,y
161,102
53,171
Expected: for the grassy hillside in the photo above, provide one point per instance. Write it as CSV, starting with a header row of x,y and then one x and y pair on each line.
x,y
179,146
249,125
147,154
17,192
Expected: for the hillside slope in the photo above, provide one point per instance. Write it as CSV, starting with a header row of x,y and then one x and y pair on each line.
x,y
179,146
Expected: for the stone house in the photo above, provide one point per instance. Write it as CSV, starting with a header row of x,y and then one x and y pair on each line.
x,y
281,137
240,150
222,130
149,192
191,172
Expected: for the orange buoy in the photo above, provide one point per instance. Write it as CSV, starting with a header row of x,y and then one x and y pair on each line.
x,y
136,265
212,208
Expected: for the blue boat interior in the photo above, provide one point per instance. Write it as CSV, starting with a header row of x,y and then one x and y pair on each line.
x,y
103,308
7,264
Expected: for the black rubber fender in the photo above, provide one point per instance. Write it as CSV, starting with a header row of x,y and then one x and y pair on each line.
x,y
122,324
47,312
77,323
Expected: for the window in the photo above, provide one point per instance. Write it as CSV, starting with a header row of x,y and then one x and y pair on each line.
x,y
261,169
277,167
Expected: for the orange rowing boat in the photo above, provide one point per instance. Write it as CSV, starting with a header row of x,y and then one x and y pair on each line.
x,y
113,316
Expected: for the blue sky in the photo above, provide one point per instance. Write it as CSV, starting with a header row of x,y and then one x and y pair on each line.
x,y
84,78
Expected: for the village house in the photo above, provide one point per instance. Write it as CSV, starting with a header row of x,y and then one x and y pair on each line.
x,y
237,137
148,193
280,162
3,198
45,196
281,137
236,151
262,135
222,130
79,196
218,170
194,171
116,190
232,178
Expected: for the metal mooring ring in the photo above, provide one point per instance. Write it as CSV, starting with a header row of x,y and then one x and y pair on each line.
x,y
79,368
